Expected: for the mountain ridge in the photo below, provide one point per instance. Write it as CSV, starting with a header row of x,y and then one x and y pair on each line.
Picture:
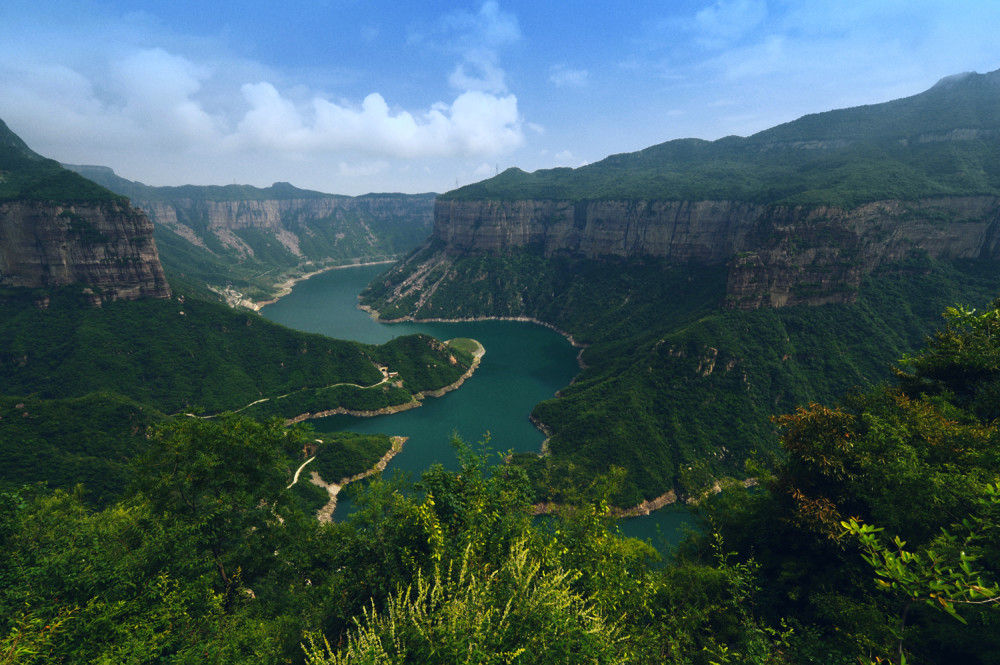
x,y
719,283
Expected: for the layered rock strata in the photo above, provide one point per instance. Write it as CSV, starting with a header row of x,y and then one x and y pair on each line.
x,y
106,246
776,255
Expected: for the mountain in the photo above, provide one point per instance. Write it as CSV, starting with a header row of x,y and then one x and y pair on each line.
x,y
244,241
719,283
57,228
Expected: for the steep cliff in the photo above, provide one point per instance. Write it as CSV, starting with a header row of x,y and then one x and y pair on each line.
x,y
776,255
57,228
715,284
106,246
245,241
349,222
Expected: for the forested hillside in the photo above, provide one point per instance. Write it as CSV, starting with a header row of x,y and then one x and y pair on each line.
x,y
95,349
873,540
937,143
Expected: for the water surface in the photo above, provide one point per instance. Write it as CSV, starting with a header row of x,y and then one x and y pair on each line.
x,y
524,364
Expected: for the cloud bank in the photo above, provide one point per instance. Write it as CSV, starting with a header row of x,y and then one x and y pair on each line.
x,y
119,99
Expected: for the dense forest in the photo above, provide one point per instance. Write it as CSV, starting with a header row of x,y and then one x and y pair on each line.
x,y
871,539
80,385
676,389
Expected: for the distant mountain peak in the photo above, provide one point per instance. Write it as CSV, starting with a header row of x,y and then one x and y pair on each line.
x,y
12,141
951,80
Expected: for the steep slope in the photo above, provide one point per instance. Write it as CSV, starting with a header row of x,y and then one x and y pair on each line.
x,y
57,228
245,241
668,263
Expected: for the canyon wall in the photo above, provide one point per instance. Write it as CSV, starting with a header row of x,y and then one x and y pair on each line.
x,y
107,246
356,221
776,255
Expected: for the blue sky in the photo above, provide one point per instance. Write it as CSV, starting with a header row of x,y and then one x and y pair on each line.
x,y
355,96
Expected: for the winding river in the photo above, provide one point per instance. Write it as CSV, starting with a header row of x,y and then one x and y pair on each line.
x,y
524,364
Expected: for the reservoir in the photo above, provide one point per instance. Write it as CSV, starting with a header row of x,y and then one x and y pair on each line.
x,y
524,364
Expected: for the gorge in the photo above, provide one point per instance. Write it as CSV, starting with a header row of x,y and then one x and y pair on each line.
x,y
719,283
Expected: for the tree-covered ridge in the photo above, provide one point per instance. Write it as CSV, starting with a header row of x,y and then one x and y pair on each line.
x,y
873,539
26,175
942,142
878,523
133,189
184,354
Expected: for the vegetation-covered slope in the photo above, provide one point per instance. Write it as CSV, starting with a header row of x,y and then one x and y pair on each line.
x,y
192,354
942,142
676,389
210,555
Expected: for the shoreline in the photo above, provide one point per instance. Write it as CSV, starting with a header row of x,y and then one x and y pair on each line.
x,y
284,288
325,514
472,319
414,403
649,506
539,425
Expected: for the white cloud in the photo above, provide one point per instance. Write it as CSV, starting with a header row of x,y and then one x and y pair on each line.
x,y
362,170
476,38
485,170
475,123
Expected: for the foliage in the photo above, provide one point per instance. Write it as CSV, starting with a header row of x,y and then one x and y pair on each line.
x,y
88,440
516,614
345,454
196,354
916,460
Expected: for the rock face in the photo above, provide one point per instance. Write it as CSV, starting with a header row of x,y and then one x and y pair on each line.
x,y
107,246
290,221
776,255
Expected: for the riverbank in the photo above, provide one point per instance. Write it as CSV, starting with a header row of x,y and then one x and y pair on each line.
x,y
325,514
474,319
477,356
651,505
284,288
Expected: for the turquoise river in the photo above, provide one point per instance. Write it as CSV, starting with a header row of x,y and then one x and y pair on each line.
x,y
524,364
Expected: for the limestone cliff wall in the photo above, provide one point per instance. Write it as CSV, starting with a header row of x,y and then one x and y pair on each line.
x,y
776,255
107,245
680,230
285,219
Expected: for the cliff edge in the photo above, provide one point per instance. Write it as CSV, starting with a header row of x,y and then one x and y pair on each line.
x,y
58,228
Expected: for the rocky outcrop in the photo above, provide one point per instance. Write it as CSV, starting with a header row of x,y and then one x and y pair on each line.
x,y
106,246
776,255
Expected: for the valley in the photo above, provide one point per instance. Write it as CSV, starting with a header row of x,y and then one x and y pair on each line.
x,y
719,295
